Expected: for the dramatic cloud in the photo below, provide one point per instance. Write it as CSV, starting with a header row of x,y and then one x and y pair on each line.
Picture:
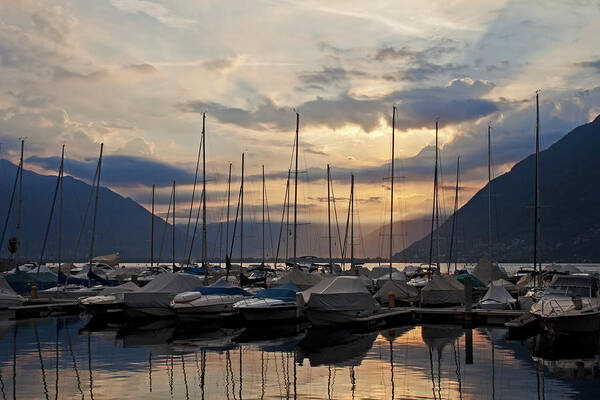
x,y
595,65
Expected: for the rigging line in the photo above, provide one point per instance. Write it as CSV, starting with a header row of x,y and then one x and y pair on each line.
x,y
347,227
195,230
164,235
237,211
85,215
51,210
269,224
187,229
10,204
285,201
337,224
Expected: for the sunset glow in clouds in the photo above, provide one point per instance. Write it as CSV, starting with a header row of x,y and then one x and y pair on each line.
x,y
137,74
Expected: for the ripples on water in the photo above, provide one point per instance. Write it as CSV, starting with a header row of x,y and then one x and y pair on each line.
x,y
70,358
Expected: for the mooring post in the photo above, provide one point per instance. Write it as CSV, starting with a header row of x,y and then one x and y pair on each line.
x,y
468,317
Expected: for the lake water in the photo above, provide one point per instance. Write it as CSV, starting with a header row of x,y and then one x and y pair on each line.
x,y
70,357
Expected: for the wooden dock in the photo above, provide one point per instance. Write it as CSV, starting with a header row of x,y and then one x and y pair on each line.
x,y
45,308
456,315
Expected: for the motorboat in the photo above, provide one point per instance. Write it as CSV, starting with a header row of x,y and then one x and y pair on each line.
x,y
147,275
442,290
105,303
153,300
570,305
277,303
497,298
209,302
337,301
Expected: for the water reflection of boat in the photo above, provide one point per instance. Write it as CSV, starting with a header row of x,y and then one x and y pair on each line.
x,y
213,336
146,334
437,338
339,347
274,338
556,347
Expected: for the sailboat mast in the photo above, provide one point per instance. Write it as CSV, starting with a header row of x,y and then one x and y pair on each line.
x,y
228,202
352,221
173,233
242,217
433,212
329,217
392,191
204,255
536,220
263,215
96,203
296,188
60,208
454,215
489,193
20,208
152,231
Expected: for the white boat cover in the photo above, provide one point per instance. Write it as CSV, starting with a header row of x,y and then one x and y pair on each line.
x,y
486,272
396,276
381,271
498,294
41,268
526,281
126,287
442,289
340,293
562,269
110,259
7,292
504,283
402,292
161,290
302,279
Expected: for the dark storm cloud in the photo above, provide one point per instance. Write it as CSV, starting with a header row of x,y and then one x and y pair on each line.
x,y
457,102
120,170
330,75
595,64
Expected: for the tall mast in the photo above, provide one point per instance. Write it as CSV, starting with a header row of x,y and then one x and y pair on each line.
x,y
263,215
536,220
152,231
454,214
56,190
392,192
352,221
96,203
296,187
60,208
489,193
20,207
173,233
242,217
433,213
329,217
189,221
204,255
228,202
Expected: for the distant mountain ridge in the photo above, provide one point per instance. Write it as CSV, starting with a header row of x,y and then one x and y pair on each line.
x,y
570,212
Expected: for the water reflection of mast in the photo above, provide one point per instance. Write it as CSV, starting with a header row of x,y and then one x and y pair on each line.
x,y
89,347
456,351
14,376
185,383
241,373
57,359
353,382
39,349
150,372
70,344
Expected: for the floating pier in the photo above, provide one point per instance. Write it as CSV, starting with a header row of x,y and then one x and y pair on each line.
x,y
45,308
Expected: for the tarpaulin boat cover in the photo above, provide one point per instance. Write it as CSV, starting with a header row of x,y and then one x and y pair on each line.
x,y
526,281
381,271
21,282
342,293
504,283
474,281
302,279
285,292
498,294
486,272
222,287
442,289
402,292
396,276
6,290
110,259
161,290
126,287
562,269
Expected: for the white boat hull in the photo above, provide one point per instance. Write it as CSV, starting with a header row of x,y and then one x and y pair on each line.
x,y
571,324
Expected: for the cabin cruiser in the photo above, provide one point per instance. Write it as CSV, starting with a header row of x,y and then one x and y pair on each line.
x,y
153,299
209,302
278,303
571,304
105,302
337,300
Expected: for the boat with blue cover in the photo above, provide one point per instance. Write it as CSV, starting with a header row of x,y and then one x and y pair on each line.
x,y
277,303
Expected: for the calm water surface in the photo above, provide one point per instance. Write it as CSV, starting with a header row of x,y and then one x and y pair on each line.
x,y
73,358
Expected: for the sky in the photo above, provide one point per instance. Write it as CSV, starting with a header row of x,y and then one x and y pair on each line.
x,y
137,75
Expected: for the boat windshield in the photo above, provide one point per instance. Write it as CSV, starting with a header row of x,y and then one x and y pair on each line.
x,y
569,291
